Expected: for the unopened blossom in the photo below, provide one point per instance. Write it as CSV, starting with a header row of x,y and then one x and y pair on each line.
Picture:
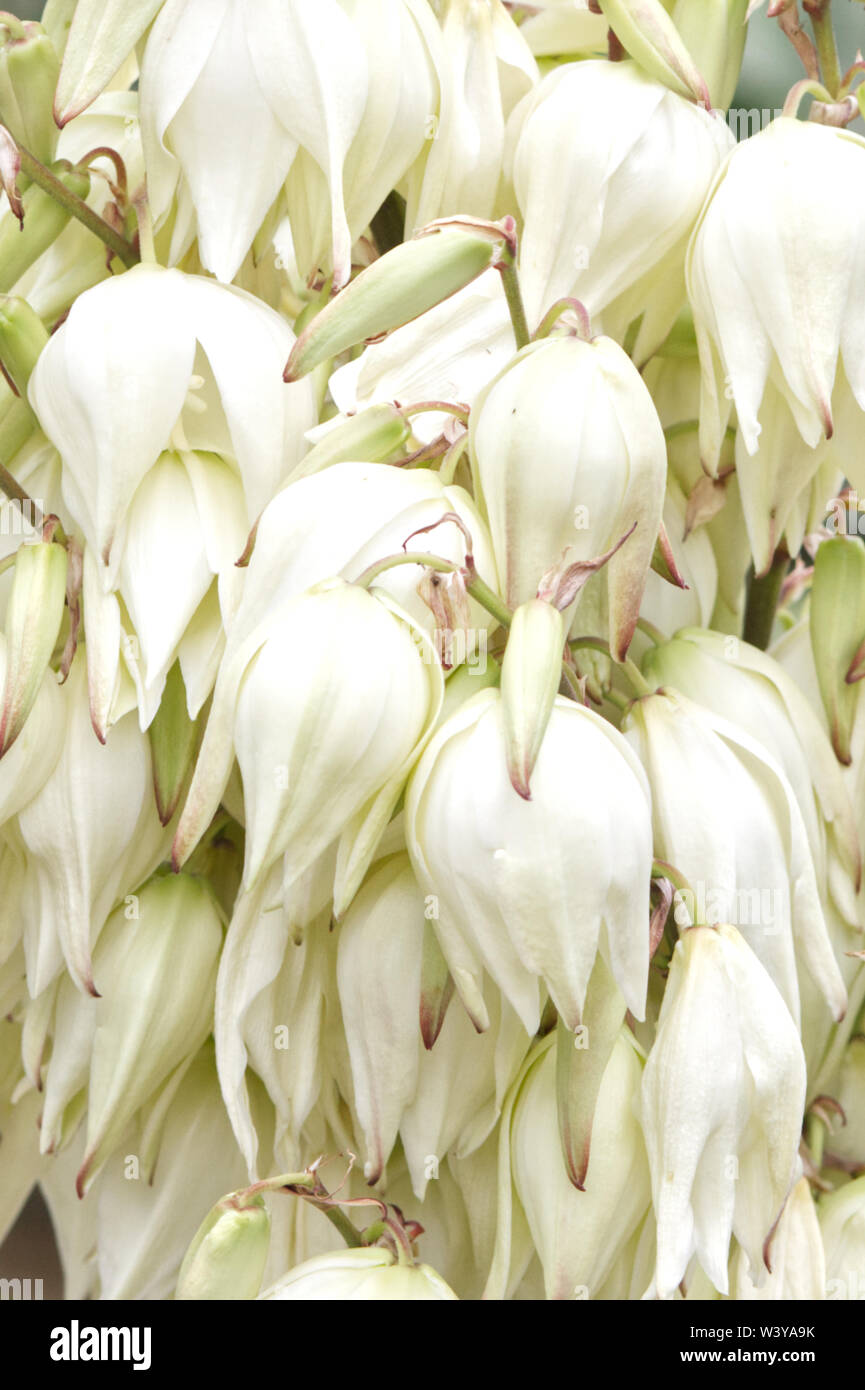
x,y
359,1274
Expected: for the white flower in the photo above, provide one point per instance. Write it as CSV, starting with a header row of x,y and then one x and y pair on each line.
x,y
503,868
610,171
726,818
774,275
723,1093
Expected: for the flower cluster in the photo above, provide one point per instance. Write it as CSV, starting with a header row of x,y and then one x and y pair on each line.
x,y
432,801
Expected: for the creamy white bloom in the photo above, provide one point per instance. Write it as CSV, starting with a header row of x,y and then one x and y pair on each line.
x,y
487,67
726,817
92,834
113,384
773,274
568,456
503,868
722,1099
610,171
237,93
321,756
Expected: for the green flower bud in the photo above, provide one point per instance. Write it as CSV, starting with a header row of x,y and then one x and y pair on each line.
x,y
371,436
44,220
644,28
713,32
837,621
398,287
173,743
368,1274
228,1252
23,335
531,674
28,76
102,34
33,620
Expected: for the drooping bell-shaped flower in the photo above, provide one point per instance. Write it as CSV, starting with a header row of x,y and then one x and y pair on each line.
x,y
774,271
610,170
237,93
727,818
503,867
722,1099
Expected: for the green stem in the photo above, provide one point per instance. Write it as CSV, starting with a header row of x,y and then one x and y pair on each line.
x,y
408,557
44,179
815,1138
763,597
654,634
827,49
616,698
349,1232
513,294
485,596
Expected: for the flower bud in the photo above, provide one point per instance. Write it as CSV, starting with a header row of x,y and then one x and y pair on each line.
x,y
714,32
102,34
500,866
722,1156
837,626
578,1235
228,1253
173,740
156,1007
44,220
727,818
531,675
361,1274
28,76
22,337
30,761
396,288
33,618
370,436
645,29
569,455
610,171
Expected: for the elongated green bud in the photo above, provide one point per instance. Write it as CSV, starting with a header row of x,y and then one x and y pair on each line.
x,y
28,77
23,335
649,35
371,436
173,741
398,287
228,1253
714,32
33,620
102,35
531,673
17,424
44,220
837,621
